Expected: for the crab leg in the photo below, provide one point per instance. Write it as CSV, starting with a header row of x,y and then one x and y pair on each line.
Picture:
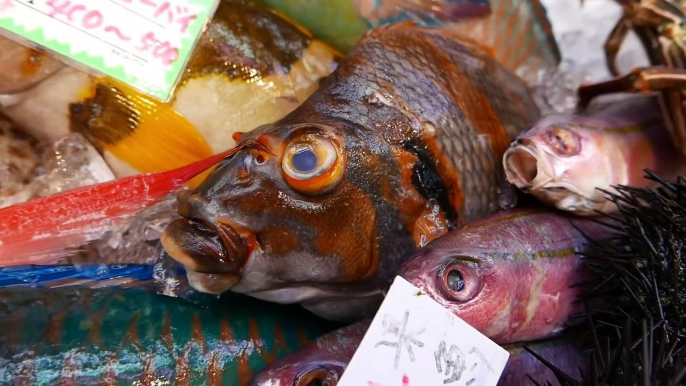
x,y
614,43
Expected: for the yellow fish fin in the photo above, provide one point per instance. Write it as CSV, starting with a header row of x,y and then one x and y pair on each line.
x,y
148,135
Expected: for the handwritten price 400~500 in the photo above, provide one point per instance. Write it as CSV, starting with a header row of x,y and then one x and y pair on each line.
x,y
91,20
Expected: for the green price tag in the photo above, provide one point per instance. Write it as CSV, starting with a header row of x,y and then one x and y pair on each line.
x,y
144,43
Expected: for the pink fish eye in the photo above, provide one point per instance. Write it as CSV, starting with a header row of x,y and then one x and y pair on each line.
x,y
564,141
460,281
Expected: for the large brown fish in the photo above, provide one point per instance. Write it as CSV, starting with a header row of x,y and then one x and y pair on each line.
x,y
402,142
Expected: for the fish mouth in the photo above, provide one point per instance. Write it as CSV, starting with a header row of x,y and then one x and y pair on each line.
x,y
214,253
522,166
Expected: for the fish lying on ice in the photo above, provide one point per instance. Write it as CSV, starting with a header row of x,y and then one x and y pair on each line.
x,y
44,230
110,336
324,361
250,67
564,159
402,142
510,275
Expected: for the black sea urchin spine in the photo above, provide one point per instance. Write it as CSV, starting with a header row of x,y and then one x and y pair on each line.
x,y
638,327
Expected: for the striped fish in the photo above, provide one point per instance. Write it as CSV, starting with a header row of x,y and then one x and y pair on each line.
x,y
403,142
121,337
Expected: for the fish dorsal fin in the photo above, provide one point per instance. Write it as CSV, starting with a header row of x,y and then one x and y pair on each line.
x,y
519,36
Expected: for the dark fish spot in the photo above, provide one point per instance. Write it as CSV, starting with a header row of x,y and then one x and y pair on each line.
x,y
428,182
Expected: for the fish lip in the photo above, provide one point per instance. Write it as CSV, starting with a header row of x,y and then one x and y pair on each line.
x,y
520,162
526,171
206,248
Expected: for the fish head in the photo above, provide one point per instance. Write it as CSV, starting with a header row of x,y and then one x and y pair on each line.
x,y
282,219
301,371
561,161
466,282
321,362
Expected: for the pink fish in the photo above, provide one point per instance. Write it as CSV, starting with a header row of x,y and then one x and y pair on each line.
x,y
509,275
563,159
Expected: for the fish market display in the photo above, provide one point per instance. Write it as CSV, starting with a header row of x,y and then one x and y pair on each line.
x,y
19,158
23,68
660,26
323,361
250,67
509,275
565,159
402,142
95,337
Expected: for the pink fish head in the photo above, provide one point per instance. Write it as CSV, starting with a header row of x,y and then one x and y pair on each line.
x,y
562,161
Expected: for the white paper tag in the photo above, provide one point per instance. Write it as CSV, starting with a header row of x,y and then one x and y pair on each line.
x,y
414,341
145,43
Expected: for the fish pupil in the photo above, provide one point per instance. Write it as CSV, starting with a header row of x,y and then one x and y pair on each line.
x,y
317,382
304,160
456,280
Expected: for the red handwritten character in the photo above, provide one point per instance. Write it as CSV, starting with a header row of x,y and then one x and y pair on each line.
x,y
117,31
185,20
59,7
92,19
165,8
77,7
163,51
149,3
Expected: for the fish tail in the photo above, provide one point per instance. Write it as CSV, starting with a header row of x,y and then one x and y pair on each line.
x,y
519,35
88,276
136,133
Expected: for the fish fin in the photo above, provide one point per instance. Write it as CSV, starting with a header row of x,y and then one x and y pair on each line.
x,y
89,276
520,36
137,131
41,231
432,13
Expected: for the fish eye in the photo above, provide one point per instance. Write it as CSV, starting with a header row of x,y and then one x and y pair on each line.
x,y
564,141
460,281
316,377
312,164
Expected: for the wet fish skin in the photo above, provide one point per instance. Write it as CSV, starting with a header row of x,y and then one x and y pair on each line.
x,y
326,359
564,159
509,275
93,337
414,116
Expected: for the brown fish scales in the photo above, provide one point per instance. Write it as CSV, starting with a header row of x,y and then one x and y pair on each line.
x,y
401,143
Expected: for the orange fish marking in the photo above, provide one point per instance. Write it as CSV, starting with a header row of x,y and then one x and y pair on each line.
x,y
32,62
182,369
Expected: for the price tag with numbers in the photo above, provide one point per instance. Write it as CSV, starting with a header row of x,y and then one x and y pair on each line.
x,y
144,43
413,340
